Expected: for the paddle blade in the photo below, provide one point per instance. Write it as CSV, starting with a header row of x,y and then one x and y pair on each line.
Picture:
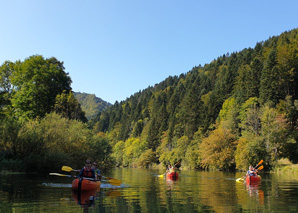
x,y
260,168
115,182
66,168
112,181
61,175
260,162
240,179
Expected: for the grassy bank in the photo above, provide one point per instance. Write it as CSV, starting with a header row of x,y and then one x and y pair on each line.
x,y
285,167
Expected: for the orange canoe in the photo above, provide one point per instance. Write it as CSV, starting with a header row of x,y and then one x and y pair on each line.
x,y
85,184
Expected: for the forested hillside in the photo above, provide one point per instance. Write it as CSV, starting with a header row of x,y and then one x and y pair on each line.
x,y
232,112
91,104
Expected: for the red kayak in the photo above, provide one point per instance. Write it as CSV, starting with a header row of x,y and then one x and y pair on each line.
x,y
253,179
85,185
172,175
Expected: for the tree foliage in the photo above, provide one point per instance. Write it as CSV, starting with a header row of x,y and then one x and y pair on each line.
x,y
37,82
53,141
217,150
91,104
32,135
69,107
230,94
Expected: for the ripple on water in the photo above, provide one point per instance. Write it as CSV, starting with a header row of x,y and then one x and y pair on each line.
x,y
57,185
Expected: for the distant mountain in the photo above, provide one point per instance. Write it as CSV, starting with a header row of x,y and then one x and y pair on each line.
x,y
91,104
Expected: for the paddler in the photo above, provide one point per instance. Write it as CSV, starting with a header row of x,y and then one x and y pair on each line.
x,y
251,172
170,169
97,171
87,171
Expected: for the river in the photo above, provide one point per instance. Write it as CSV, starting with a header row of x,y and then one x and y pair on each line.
x,y
143,191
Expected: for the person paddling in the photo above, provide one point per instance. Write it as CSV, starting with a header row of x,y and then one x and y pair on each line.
x,y
87,171
251,172
97,171
168,168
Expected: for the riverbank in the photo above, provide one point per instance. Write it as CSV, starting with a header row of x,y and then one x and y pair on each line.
x,y
286,167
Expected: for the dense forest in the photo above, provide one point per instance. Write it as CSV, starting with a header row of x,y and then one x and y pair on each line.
x,y
226,115
91,104
232,112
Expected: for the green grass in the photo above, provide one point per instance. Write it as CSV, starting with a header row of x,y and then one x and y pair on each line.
x,y
284,166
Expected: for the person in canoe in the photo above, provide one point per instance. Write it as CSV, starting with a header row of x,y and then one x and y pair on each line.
x,y
87,171
97,171
251,172
170,169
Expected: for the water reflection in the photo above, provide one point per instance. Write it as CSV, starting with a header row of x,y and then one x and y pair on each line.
x,y
255,192
143,191
84,198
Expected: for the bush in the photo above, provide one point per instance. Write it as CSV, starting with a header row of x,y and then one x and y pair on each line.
x,y
147,158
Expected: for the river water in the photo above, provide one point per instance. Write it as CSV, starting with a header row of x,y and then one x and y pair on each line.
x,y
143,191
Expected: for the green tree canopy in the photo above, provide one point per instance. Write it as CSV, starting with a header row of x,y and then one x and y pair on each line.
x,y
37,82
69,107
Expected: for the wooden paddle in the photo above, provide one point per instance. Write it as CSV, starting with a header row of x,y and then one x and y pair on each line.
x,y
112,181
260,168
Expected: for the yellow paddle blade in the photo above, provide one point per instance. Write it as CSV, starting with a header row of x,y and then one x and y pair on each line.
x,y
161,176
66,168
113,181
62,175
240,179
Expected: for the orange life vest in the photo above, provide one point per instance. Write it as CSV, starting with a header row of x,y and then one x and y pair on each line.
x,y
89,173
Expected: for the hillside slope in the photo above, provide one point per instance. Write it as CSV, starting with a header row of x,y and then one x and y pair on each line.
x,y
91,104
245,100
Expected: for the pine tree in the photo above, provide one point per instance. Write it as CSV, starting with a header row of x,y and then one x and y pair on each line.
x,y
269,87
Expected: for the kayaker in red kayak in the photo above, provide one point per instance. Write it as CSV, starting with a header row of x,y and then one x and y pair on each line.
x,y
87,171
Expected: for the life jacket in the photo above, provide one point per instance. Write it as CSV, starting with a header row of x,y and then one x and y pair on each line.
x,y
88,173
251,173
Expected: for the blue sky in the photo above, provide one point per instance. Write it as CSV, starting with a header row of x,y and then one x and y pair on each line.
x,y
114,48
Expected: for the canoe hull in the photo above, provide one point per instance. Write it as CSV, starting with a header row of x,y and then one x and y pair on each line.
x,y
173,176
253,179
85,185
